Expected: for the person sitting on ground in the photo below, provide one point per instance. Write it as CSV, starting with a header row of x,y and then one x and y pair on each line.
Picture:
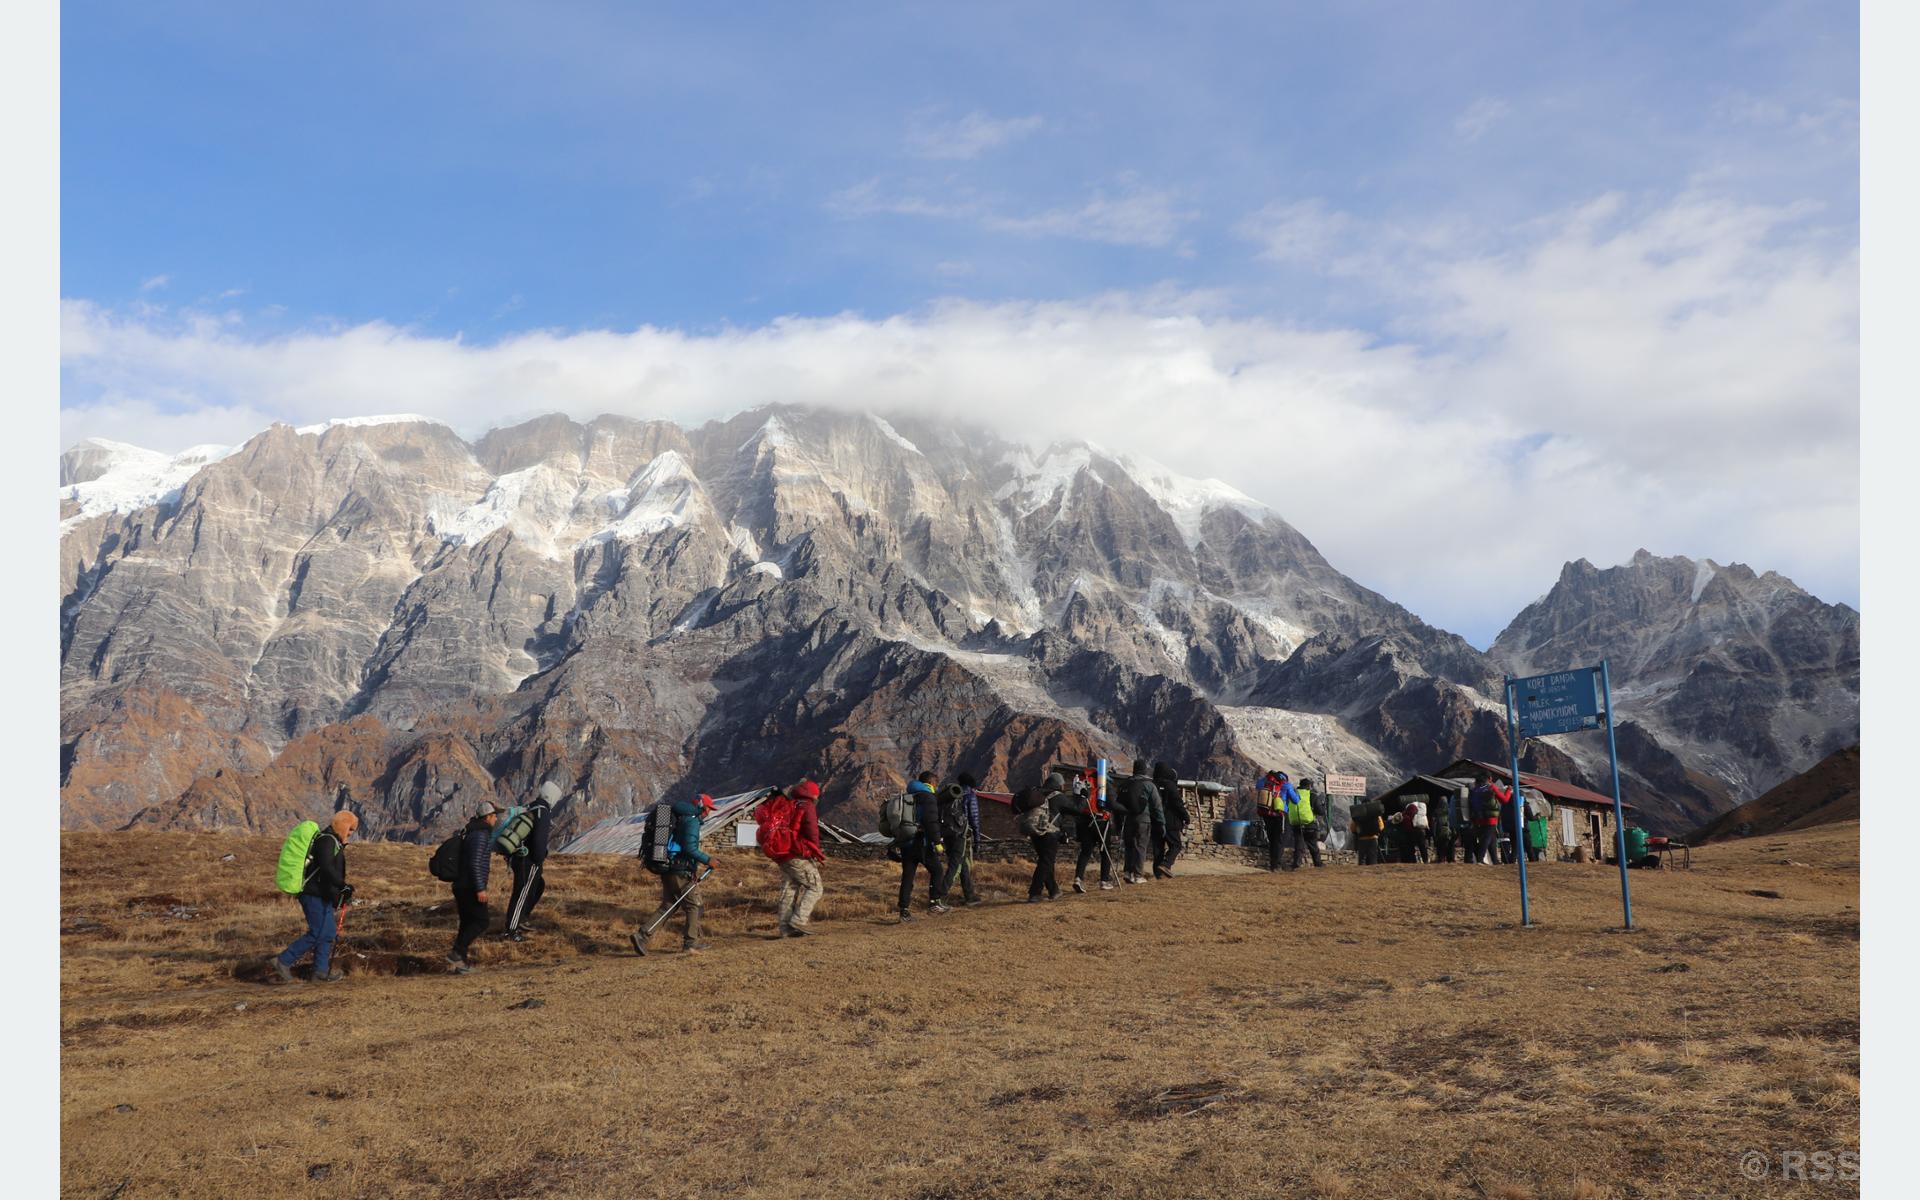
x,y
1167,847
800,888
1037,814
923,849
1092,830
470,888
684,871
530,865
321,897
960,830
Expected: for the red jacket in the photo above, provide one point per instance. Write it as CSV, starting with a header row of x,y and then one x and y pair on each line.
x,y
806,831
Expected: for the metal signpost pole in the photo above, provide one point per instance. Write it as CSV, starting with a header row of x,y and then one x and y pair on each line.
x,y
1619,818
1516,797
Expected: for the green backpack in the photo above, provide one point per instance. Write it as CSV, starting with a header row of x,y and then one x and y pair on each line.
x,y
896,817
295,854
510,834
1303,811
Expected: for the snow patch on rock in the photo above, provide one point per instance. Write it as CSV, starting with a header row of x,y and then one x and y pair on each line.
x,y
133,478
362,422
893,435
665,495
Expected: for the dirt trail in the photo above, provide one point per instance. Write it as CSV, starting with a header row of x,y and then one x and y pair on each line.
x,y
1333,1033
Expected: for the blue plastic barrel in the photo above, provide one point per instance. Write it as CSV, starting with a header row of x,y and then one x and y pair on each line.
x,y
1231,833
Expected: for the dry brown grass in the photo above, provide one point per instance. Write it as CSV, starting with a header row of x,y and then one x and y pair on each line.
x,y
1358,1033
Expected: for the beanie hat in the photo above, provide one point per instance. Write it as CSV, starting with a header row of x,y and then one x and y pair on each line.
x,y
1139,766
1055,783
965,780
486,807
550,792
806,789
704,801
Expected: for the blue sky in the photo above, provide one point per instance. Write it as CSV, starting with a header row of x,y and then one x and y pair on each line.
x,y
1407,187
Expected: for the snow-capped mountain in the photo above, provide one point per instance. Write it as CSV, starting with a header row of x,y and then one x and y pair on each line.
x,y
379,605
1741,679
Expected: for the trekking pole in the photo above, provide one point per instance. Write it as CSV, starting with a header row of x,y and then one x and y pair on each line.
x,y
666,912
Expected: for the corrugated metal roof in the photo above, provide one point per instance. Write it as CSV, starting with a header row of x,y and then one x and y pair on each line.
x,y
624,835
1558,789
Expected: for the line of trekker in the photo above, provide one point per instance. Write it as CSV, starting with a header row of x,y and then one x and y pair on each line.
x,y
936,829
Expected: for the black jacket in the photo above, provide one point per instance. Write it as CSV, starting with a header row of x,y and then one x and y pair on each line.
x,y
329,875
542,827
1167,780
475,855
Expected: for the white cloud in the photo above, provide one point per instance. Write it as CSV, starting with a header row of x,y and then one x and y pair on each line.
x,y
154,283
1130,215
1483,114
969,136
1683,378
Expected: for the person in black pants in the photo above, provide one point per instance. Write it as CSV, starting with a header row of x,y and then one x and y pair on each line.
x,y
1038,810
1092,833
923,849
1167,781
529,866
470,889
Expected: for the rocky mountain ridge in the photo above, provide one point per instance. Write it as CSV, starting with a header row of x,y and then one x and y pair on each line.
x,y
378,612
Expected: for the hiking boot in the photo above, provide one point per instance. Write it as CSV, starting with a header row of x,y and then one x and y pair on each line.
x,y
975,902
1079,889
1106,885
799,931
330,977
1162,873
639,944
1033,899
281,969
516,936
939,907
777,934
696,947
461,966
905,915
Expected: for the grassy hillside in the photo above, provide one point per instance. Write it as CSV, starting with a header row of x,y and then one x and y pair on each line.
x,y
1335,1033
1822,795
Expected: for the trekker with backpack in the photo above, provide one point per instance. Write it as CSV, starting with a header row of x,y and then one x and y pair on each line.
x,y
323,890
1136,798
1037,810
1091,829
1364,820
1304,824
1171,835
1273,799
1536,831
922,849
470,883
1443,817
1483,807
681,863
529,862
1413,830
960,830
790,836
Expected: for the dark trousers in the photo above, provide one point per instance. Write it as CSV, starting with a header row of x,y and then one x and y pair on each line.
x,y
672,887
1489,842
529,884
1133,831
959,866
1275,824
1534,854
1443,849
1046,848
1506,847
1416,845
473,919
1308,837
1168,847
920,853
1092,836
1368,848
322,924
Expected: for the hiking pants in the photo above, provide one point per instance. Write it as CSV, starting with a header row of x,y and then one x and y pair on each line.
x,y
1443,849
960,866
1156,838
1368,848
1133,828
1275,824
1535,854
1307,836
1092,836
1046,848
672,887
1489,842
473,920
920,853
529,884
322,924
1416,845
1167,848
799,891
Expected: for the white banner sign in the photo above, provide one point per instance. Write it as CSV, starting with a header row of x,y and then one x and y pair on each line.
x,y
1346,785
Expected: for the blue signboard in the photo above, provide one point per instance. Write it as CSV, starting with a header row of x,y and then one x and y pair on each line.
x,y
1563,702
